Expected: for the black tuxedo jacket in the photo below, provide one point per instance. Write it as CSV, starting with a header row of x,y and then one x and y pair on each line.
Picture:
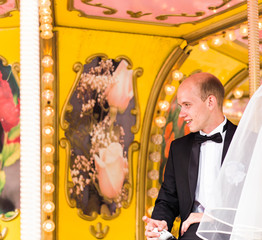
x,y
177,193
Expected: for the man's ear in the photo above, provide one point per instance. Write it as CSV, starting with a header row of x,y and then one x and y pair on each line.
x,y
211,102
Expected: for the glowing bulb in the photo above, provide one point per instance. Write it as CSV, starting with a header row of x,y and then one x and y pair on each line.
x,y
239,114
46,34
163,105
48,168
150,210
45,11
48,131
48,77
230,36
48,149
238,93
48,111
217,41
160,121
45,3
47,61
48,226
48,94
228,103
46,19
203,46
46,27
260,24
177,75
169,89
48,188
243,30
48,206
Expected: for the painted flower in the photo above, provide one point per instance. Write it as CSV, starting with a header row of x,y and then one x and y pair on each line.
x,y
120,92
112,168
9,112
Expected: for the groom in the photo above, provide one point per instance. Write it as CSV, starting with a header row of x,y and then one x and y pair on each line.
x,y
194,160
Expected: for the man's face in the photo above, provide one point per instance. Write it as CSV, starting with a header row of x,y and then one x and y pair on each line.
x,y
194,110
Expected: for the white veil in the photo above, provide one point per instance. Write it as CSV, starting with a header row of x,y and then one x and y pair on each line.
x,y
234,211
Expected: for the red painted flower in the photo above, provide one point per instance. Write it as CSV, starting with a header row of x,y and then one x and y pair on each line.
x,y
9,112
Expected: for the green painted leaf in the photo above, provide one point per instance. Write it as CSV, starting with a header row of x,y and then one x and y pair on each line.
x,y
14,132
2,180
10,153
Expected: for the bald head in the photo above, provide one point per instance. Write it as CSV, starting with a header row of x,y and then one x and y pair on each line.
x,y
207,85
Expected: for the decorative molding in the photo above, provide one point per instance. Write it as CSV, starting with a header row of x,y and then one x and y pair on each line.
x,y
134,146
165,17
219,6
174,60
8,14
3,233
8,219
138,14
98,232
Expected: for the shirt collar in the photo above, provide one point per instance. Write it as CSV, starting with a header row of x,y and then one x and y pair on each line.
x,y
219,128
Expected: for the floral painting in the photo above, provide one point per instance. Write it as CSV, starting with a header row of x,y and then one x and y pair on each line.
x,y
175,128
99,132
9,142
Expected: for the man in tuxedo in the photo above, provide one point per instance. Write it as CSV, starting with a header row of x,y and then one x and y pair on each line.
x,y
195,159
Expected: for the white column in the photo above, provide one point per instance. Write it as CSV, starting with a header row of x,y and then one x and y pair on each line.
x,y
30,121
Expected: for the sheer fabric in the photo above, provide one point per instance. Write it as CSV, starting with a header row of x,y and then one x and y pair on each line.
x,y
234,211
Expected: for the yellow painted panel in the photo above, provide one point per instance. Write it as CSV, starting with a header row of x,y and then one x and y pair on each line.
x,y
148,52
220,65
9,49
10,21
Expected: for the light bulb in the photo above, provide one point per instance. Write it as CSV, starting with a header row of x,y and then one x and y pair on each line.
x,y
46,19
46,3
230,35
48,207
46,27
45,11
48,168
48,187
47,61
217,41
160,121
228,103
163,105
46,34
203,46
48,94
169,89
177,75
48,77
48,226
260,24
243,30
48,149
238,93
48,111
48,131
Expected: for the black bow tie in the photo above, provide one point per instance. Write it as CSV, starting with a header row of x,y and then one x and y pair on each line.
x,y
215,137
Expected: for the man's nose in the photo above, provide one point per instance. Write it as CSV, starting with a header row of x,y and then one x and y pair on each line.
x,y
182,113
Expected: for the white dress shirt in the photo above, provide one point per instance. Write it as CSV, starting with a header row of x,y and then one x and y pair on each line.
x,y
209,165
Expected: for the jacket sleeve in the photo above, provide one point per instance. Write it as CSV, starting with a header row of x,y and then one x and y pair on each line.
x,y
167,206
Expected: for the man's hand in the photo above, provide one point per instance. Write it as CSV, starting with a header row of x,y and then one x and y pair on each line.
x,y
151,224
193,218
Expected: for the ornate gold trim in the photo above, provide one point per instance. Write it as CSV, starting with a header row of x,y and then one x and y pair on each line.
x,y
109,11
78,68
8,219
97,231
174,60
236,19
165,17
138,14
8,14
16,70
219,6
3,233
64,143
70,7
235,80
134,146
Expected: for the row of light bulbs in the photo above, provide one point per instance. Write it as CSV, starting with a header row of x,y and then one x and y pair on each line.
x,y
45,13
48,148
230,35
